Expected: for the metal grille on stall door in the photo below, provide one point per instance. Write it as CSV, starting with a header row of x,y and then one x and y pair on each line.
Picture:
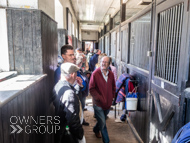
x,y
169,42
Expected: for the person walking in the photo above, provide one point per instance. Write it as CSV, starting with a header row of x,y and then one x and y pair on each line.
x,y
94,60
102,88
89,55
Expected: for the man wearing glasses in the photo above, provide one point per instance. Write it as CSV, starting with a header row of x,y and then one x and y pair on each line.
x,y
67,53
102,88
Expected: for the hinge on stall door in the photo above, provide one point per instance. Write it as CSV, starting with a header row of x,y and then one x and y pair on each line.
x,y
188,5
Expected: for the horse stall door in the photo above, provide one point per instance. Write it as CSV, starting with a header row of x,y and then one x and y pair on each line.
x,y
168,72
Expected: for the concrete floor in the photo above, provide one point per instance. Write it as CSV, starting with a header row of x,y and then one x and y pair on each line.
x,y
119,132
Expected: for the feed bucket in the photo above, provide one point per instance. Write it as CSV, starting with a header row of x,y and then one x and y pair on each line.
x,y
131,103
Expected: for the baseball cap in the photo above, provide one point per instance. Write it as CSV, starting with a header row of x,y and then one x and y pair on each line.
x,y
69,68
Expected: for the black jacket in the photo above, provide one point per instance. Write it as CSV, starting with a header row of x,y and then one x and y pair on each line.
x,y
67,106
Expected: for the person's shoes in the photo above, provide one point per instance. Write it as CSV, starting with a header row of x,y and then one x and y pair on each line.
x,y
85,123
98,135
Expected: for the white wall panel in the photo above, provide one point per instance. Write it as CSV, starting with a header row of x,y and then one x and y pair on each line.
x,y
4,58
59,14
48,6
23,3
3,3
65,4
89,35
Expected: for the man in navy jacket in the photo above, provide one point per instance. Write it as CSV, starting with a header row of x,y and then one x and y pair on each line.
x,y
94,60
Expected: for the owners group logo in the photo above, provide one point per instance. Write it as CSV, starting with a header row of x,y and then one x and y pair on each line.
x,y
39,125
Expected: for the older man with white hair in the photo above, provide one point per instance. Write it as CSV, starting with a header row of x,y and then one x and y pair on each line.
x,y
67,105
102,88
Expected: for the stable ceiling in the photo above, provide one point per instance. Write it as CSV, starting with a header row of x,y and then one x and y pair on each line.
x,y
92,14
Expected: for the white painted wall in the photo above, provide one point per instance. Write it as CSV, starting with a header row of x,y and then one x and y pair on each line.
x,y
59,14
56,9
48,6
23,3
73,29
90,35
75,25
65,4
4,56
3,3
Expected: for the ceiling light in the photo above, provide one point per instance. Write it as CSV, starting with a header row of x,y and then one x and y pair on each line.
x,y
90,12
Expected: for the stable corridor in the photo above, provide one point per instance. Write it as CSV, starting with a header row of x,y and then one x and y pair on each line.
x,y
119,132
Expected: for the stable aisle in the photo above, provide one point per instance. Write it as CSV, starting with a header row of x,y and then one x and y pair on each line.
x,y
118,132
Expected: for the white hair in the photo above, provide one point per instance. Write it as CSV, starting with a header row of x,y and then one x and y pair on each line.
x,y
105,57
79,59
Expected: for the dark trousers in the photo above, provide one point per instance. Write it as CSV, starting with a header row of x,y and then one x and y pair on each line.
x,y
100,115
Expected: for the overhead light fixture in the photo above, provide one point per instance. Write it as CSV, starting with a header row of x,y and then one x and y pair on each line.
x,y
144,2
90,12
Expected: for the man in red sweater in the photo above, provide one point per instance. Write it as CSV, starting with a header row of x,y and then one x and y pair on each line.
x,y
102,88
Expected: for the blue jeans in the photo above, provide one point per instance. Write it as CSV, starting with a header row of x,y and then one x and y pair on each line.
x,y
100,115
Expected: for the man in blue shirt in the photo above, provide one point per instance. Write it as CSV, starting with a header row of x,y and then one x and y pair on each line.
x,y
67,53
58,70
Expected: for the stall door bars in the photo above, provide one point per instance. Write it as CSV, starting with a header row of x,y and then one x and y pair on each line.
x,y
169,42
